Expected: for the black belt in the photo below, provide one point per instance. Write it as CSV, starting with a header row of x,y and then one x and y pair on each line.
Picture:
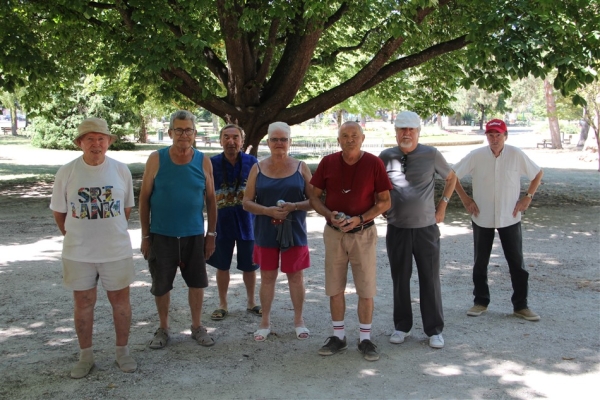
x,y
357,229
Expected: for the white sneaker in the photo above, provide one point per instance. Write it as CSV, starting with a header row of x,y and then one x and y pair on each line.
x,y
436,341
398,337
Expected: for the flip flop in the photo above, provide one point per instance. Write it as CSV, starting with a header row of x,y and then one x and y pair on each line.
x,y
301,331
219,314
261,334
256,310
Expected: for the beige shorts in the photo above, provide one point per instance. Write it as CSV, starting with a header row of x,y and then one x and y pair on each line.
x,y
358,249
115,275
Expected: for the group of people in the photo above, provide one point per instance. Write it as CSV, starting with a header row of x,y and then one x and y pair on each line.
x,y
260,209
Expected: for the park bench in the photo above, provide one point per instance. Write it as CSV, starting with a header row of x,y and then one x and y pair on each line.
x,y
545,143
207,141
6,130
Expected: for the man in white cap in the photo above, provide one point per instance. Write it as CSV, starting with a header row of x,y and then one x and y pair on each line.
x,y
497,204
412,227
91,202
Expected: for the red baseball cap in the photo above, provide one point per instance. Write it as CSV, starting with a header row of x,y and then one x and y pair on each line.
x,y
496,125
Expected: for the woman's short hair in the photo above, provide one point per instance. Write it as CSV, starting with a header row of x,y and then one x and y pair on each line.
x,y
279,126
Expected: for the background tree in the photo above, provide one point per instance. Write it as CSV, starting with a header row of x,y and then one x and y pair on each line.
x,y
11,101
250,59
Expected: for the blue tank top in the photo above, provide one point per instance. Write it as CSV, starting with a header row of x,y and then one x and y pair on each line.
x,y
177,199
268,191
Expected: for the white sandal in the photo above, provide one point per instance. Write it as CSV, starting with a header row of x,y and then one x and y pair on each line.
x,y
301,330
261,334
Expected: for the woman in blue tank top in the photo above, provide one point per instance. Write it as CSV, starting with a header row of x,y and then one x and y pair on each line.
x,y
277,193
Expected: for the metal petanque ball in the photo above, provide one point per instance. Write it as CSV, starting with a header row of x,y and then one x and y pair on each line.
x,y
340,215
280,203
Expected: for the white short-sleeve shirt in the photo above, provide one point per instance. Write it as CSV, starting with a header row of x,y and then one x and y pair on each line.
x,y
94,199
496,183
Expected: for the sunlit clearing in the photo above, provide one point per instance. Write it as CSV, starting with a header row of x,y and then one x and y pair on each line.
x,y
450,230
561,386
60,342
45,249
140,284
16,331
368,372
446,370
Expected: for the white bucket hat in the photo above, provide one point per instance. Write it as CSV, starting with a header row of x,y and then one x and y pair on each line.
x,y
94,125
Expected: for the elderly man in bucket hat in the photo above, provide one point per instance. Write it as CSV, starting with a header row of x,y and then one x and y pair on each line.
x,y
412,227
497,204
91,202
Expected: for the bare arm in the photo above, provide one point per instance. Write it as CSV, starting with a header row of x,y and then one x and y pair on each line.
x,y
525,201
211,207
60,219
468,202
145,192
440,210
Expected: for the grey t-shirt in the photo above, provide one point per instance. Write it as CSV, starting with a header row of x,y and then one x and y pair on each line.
x,y
413,205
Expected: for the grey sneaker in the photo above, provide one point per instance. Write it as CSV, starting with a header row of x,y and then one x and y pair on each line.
x,y
369,350
398,337
333,345
527,314
476,310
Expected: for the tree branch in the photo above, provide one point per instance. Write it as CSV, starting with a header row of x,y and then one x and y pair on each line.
x,y
333,55
347,89
336,16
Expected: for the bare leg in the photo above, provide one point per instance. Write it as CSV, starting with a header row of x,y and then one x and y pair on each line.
x,y
119,300
365,310
195,298
250,282
85,300
297,291
223,287
337,306
162,305
267,294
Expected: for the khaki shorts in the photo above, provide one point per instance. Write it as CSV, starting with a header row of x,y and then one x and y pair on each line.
x,y
115,275
358,249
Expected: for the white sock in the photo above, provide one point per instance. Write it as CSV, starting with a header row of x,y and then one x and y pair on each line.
x,y
365,332
339,329
86,355
121,351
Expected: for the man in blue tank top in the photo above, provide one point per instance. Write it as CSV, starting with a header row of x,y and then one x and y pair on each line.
x,y
177,184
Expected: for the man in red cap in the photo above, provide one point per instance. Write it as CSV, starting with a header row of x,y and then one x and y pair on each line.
x,y
497,204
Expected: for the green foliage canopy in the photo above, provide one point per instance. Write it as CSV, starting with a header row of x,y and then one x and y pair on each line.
x,y
254,62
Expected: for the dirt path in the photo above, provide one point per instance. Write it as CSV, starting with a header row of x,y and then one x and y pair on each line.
x,y
493,356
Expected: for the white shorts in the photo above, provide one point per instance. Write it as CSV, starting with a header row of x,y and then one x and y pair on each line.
x,y
115,275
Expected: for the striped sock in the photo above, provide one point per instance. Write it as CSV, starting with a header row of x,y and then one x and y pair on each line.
x,y
339,329
365,332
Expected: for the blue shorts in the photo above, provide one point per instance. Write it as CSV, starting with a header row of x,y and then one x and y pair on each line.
x,y
221,258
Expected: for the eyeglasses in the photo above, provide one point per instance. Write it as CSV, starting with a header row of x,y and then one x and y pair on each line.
x,y
187,132
403,160
280,140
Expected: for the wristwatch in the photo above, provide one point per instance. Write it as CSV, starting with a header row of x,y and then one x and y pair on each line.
x,y
529,195
445,199
213,234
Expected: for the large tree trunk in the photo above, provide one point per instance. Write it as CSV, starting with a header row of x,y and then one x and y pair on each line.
x,y
13,120
143,133
552,115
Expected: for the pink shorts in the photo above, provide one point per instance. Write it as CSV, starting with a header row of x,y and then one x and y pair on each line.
x,y
294,259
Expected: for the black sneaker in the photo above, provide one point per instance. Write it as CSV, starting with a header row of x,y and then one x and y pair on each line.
x,y
368,349
333,345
